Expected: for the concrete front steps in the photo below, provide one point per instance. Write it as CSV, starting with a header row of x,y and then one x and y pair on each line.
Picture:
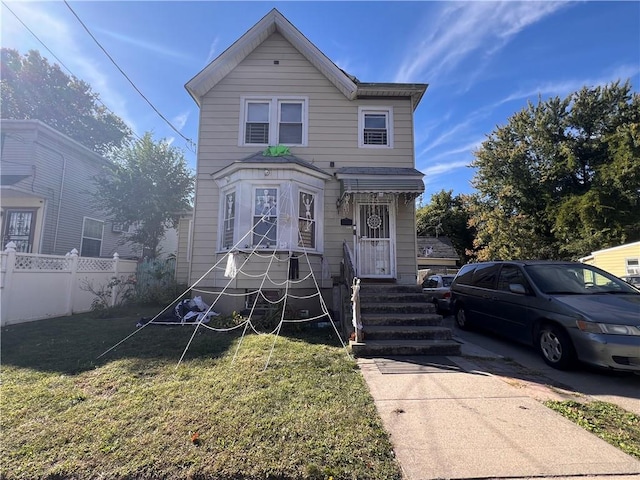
x,y
398,320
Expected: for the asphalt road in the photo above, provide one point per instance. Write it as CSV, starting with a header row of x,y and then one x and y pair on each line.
x,y
620,388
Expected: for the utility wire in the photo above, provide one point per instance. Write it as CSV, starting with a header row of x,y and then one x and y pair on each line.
x,y
190,142
60,61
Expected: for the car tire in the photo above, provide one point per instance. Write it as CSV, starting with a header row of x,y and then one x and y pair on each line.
x,y
555,347
462,319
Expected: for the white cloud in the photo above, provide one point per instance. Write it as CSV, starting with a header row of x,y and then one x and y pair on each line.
x,y
152,47
180,120
564,88
440,169
460,30
213,50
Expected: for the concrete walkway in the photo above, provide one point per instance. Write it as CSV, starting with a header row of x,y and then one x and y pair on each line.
x,y
449,419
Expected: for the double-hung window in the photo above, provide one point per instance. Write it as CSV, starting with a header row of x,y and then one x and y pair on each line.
x,y
375,127
92,231
273,121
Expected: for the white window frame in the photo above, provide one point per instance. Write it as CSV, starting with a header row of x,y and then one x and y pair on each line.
x,y
274,119
379,110
101,239
632,269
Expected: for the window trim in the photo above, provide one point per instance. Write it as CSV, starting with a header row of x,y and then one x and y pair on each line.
x,y
388,112
274,118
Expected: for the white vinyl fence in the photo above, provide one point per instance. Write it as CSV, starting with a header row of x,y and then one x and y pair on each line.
x,y
34,287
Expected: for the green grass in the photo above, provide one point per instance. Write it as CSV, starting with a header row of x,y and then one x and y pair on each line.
x,y
609,422
132,414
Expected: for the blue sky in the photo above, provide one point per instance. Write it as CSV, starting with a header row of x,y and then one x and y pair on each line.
x,y
482,60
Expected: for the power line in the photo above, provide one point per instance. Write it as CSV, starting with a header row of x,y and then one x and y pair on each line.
x,y
188,140
60,61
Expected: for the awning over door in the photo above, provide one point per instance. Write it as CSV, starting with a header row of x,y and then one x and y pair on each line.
x,y
405,182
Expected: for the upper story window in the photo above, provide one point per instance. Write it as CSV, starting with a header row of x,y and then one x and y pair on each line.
x,y
92,231
273,121
375,127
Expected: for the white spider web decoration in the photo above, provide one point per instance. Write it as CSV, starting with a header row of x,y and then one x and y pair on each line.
x,y
285,215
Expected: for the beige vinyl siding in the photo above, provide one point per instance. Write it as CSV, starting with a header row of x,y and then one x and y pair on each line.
x,y
332,137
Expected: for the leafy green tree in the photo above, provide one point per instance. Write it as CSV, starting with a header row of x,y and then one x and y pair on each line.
x,y
561,178
448,216
149,185
31,88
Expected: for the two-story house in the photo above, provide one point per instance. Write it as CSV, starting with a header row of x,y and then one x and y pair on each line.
x,y
298,160
45,188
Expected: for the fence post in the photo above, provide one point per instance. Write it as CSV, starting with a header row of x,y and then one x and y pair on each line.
x,y
8,265
72,262
114,288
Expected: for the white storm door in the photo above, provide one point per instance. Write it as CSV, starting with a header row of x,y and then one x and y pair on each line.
x,y
376,241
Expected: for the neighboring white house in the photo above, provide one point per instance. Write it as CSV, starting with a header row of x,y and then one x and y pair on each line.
x,y
344,186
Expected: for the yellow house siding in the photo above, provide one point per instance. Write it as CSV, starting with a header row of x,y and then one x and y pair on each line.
x,y
613,260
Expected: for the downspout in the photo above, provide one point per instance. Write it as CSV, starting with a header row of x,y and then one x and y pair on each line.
x,y
64,169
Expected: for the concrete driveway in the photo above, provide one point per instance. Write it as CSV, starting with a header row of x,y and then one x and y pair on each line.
x,y
525,364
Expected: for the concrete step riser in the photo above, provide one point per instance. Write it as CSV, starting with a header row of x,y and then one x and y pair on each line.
x,y
396,308
365,289
399,320
365,350
394,298
416,335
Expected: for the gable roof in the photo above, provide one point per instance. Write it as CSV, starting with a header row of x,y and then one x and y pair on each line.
x,y
273,22
436,247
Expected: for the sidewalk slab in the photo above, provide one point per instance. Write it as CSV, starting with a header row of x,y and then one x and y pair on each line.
x,y
461,423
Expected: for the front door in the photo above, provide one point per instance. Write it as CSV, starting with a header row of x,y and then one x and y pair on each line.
x,y
375,241
18,228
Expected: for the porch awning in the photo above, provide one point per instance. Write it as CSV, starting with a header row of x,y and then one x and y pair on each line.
x,y
406,181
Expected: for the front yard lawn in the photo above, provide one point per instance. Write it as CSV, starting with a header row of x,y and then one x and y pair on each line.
x,y
135,414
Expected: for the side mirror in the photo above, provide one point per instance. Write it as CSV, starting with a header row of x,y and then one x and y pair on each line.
x,y
517,288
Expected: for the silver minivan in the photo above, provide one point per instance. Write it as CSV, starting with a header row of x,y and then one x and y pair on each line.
x,y
569,311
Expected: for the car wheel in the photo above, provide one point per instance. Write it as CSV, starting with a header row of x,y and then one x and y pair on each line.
x,y
556,347
461,318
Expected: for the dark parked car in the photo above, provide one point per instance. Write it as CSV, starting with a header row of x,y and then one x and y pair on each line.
x,y
438,290
569,311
